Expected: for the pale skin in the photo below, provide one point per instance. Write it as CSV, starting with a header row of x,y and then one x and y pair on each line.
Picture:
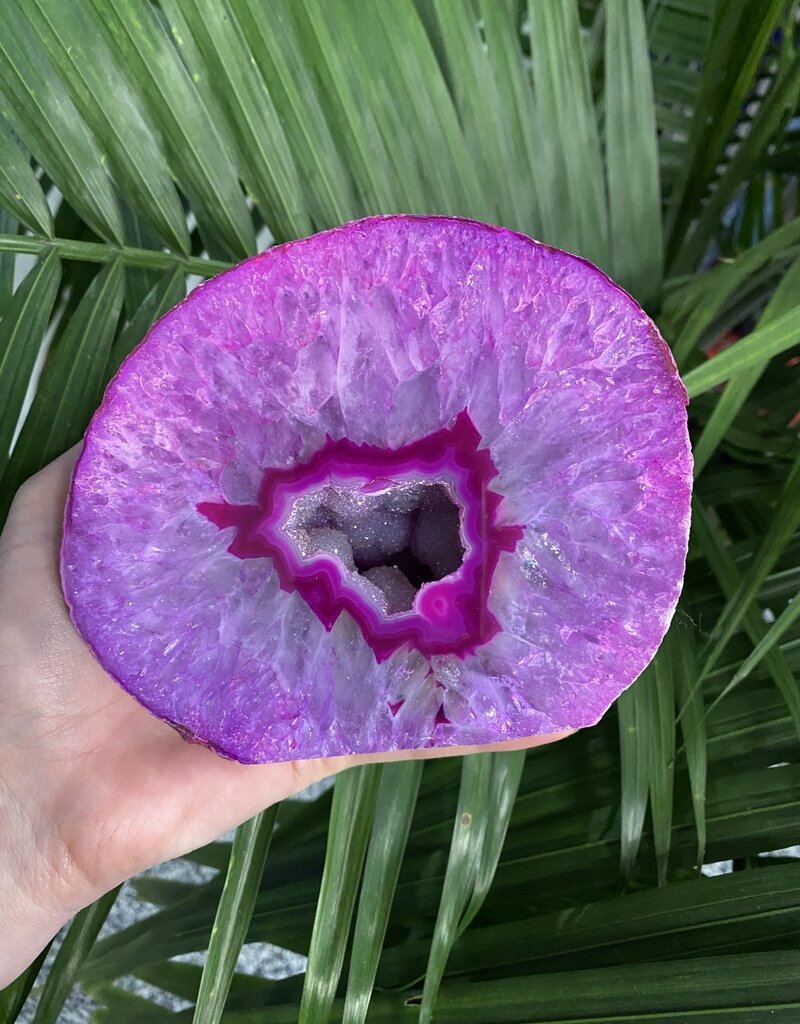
x,y
93,789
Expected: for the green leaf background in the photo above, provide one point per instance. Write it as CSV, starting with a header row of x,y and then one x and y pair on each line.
x,y
147,143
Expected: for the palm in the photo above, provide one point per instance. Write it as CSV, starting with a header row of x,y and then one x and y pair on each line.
x,y
130,791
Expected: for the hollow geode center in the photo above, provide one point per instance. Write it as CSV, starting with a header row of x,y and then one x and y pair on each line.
x,y
391,542
405,540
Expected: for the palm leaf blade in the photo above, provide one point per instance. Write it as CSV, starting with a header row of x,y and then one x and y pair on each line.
x,y
20,192
352,812
267,163
248,856
21,332
71,955
45,119
395,804
197,145
634,202
765,342
100,92
571,166
71,383
463,864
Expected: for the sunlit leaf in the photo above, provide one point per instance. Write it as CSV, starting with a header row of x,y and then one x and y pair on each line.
x,y
21,333
570,168
85,64
489,129
634,750
277,51
20,192
396,799
71,383
248,855
764,343
268,166
45,119
351,119
350,826
70,957
634,202
195,140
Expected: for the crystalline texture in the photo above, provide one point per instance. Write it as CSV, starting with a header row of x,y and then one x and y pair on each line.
x,y
502,435
399,594
450,615
399,538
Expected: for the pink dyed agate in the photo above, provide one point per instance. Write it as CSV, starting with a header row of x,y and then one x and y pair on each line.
x,y
390,353
451,615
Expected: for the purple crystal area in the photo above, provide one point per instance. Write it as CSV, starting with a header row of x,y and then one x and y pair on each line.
x,y
450,616
371,338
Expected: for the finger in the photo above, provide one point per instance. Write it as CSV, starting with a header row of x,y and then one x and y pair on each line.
x,y
36,515
40,639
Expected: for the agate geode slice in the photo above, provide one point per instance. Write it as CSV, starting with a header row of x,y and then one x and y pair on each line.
x,y
412,482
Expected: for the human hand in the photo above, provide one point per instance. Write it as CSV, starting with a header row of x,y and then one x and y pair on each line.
x,y
92,788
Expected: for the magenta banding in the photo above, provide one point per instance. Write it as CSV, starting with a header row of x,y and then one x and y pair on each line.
x,y
450,615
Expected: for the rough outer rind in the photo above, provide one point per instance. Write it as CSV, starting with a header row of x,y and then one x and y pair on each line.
x,y
383,331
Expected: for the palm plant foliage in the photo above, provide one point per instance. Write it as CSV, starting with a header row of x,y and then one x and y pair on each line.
x,y
144,143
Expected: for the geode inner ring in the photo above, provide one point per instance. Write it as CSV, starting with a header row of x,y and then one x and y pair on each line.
x,y
450,615
342,375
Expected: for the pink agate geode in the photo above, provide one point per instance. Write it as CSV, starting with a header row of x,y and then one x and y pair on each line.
x,y
412,482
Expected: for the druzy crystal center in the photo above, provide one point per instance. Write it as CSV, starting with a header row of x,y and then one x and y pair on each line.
x,y
403,540
391,542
